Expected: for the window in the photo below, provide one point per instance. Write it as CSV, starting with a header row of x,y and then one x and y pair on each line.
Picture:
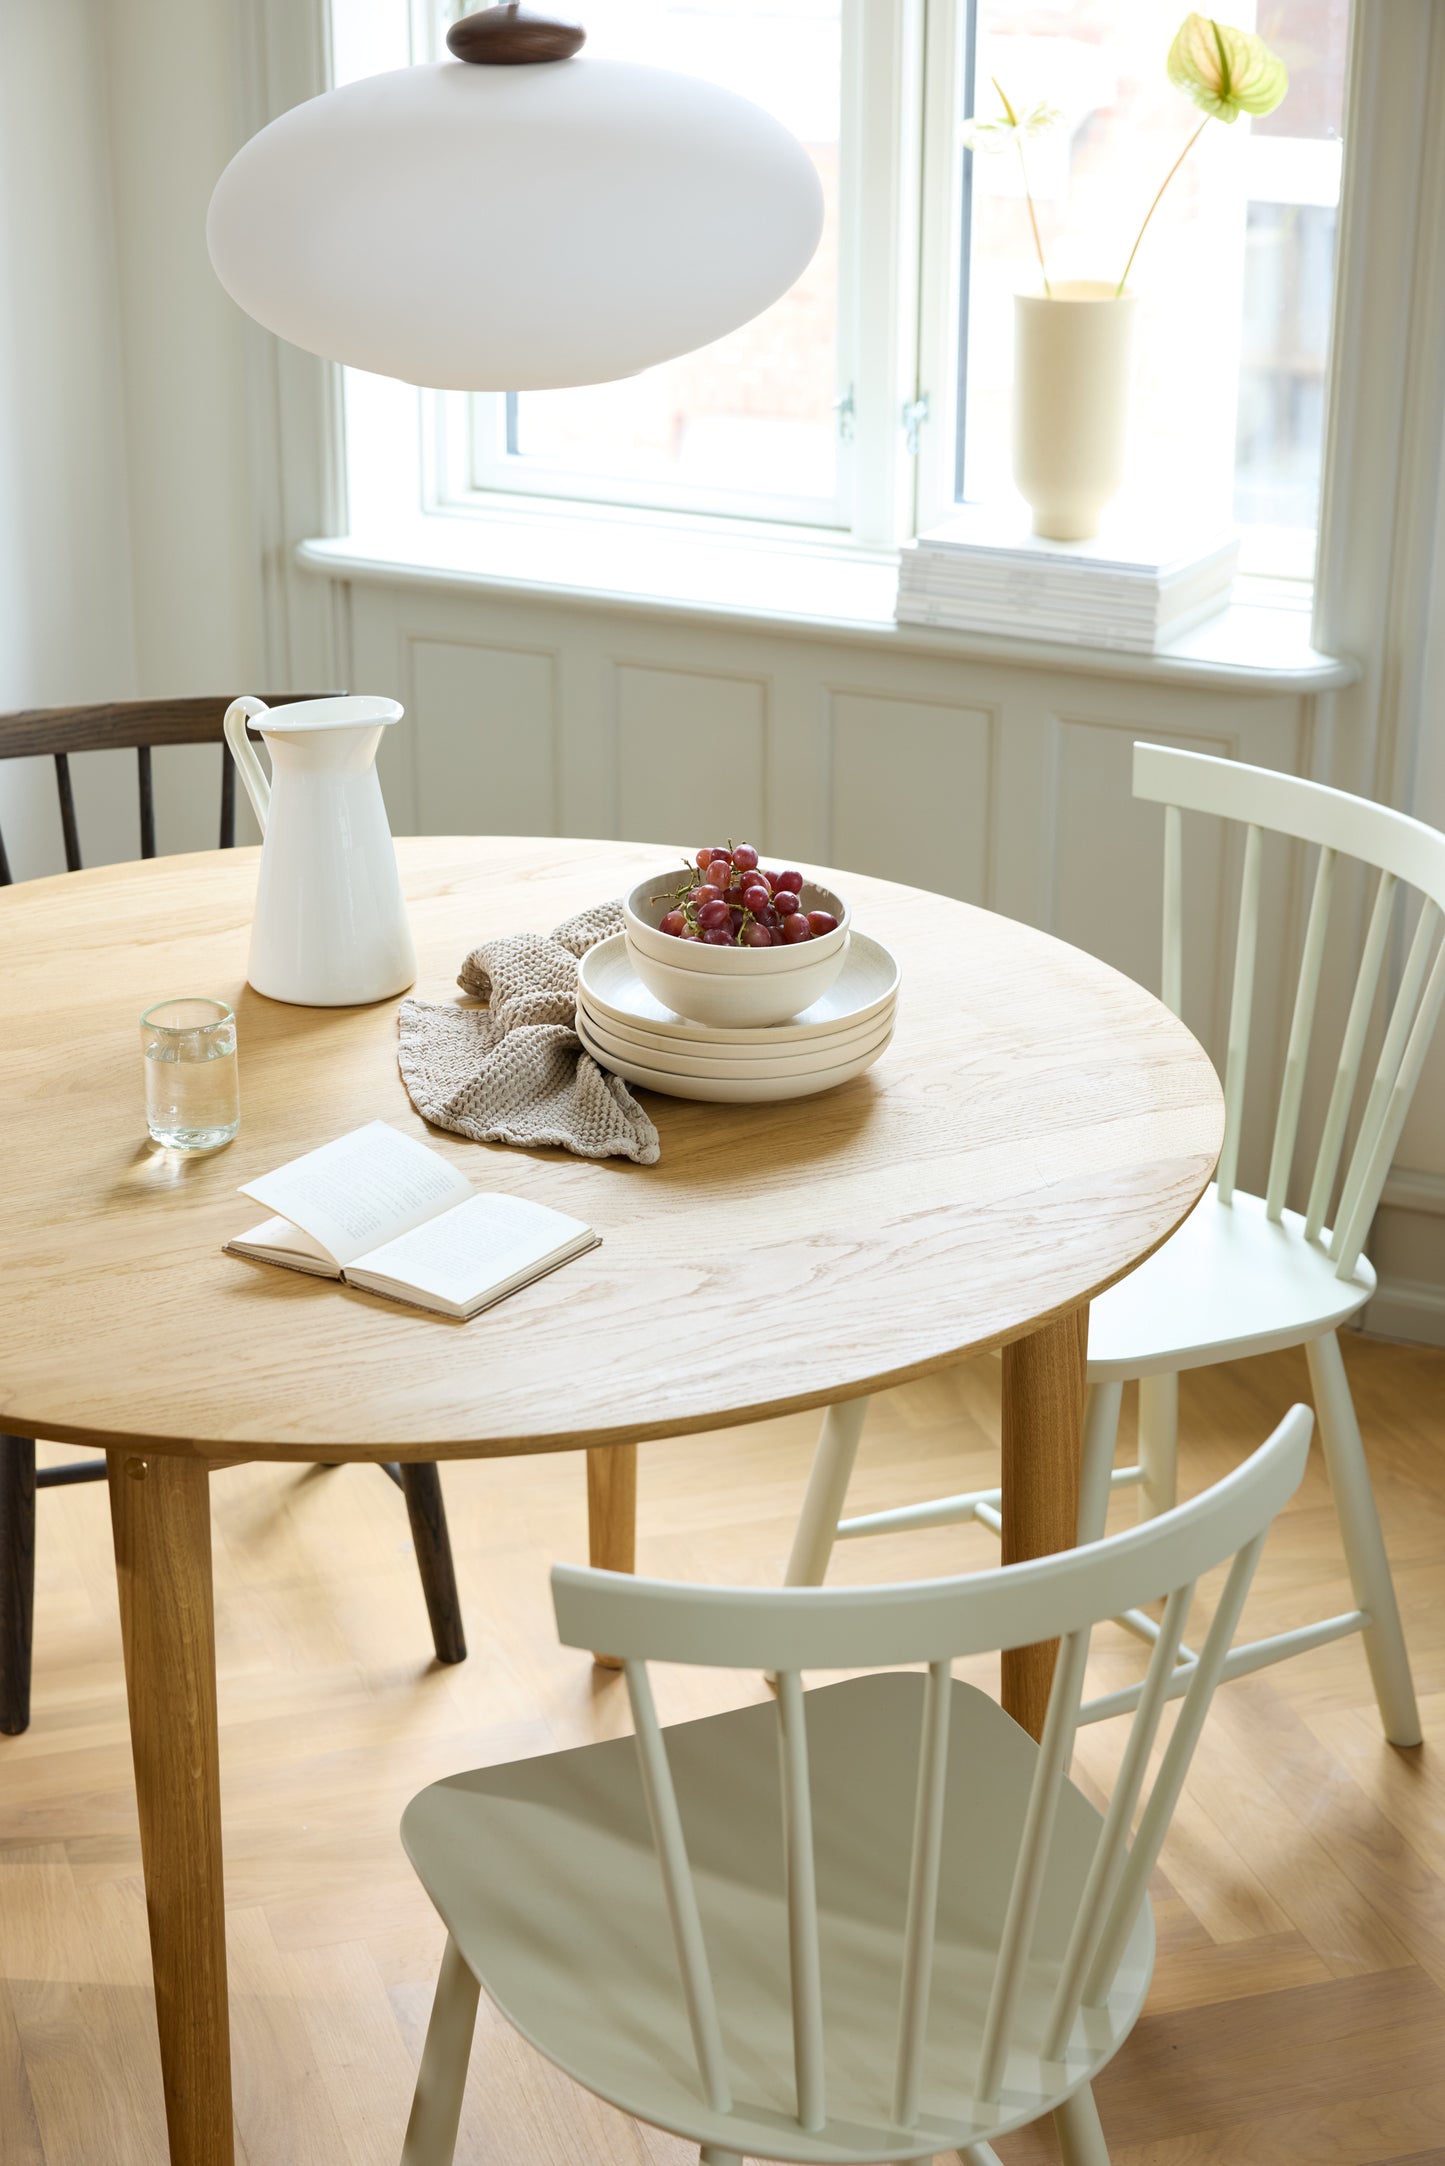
x,y
1235,275
748,425
875,396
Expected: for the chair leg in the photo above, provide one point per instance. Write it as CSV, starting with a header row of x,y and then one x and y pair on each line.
x,y
1076,2124
817,1528
1158,1444
1364,1544
713,2154
17,1580
1101,1430
422,1487
436,2107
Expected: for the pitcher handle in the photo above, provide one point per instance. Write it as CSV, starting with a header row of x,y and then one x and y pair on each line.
x,y
243,752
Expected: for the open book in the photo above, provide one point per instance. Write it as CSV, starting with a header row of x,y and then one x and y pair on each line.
x,y
385,1213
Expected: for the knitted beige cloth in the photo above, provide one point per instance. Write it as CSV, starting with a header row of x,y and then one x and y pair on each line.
x,y
515,1072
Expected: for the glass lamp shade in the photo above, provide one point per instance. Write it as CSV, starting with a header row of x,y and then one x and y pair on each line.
x,y
514,228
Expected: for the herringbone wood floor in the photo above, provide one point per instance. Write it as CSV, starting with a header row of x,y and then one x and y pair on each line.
x,y
1298,2012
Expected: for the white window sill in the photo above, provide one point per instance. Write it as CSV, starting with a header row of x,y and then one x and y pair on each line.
x,y
810,585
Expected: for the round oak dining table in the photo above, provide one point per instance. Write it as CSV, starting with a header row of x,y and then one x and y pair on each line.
x,y
1037,1126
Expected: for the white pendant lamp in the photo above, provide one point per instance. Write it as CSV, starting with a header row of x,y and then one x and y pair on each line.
x,y
516,218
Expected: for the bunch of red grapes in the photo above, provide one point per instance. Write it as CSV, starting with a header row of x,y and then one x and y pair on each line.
x,y
728,901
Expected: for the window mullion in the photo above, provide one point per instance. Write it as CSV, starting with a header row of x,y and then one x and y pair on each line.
x,y
943,257
887,79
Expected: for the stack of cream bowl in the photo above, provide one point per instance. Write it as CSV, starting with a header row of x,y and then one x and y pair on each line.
x,y
733,1024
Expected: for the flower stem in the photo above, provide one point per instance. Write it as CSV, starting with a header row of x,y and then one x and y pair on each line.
x,y
1013,121
1033,221
1123,282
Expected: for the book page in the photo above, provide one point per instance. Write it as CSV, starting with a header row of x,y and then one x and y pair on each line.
x,y
362,1190
278,1237
469,1251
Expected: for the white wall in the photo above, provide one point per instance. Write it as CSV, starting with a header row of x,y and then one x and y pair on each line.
x,y
65,577
176,117
1408,1239
128,555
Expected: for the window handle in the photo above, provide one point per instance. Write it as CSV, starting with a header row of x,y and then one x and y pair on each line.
x,y
913,416
845,408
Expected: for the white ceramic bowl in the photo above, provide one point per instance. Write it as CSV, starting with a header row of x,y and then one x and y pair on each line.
x,y
642,915
737,1000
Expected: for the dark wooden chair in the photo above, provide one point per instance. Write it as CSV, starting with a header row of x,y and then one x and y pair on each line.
x,y
138,725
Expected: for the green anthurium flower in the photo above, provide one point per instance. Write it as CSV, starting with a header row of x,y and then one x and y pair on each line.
x,y
1012,126
1225,71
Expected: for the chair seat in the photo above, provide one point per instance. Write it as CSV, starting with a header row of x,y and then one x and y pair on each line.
x,y
546,1876
1229,1282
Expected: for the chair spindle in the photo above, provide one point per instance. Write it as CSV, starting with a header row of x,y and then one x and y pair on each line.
x,y
804,1957
1015,1942
147,802
1133,1882
228,799
1347,1068
1302,1022
1350,1235
1387,1070
923,1876
1237,1059
1171,986
682,1910
1112,1847
67,813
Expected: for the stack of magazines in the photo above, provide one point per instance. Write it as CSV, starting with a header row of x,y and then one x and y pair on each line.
x,y
1135,591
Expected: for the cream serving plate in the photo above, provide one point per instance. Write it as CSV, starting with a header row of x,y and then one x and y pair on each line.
x,y
608,981
661,1051
730,1090
733,1061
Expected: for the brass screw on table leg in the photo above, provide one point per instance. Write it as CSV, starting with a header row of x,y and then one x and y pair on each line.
x,y
136,1469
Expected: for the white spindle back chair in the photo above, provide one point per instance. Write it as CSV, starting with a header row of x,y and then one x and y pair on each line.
x,y
1245,1274
872,1923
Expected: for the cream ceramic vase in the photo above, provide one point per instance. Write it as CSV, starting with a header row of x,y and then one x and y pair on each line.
x,y
1073,357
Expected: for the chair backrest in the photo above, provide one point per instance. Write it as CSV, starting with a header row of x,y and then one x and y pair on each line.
x,y
794,1629
128,725
1406,854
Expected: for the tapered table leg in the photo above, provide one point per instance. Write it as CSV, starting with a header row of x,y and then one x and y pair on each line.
x,y
1043,1428
612,1515
160,1516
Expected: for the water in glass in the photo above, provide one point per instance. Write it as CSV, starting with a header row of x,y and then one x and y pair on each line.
x,y
192,1096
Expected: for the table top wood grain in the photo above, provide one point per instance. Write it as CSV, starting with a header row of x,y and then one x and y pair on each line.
x,y
1037,1126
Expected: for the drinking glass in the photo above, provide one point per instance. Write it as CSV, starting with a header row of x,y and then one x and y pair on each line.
x,y
193,1101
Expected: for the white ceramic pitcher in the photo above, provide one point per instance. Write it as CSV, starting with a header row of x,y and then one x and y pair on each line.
x,y
330,929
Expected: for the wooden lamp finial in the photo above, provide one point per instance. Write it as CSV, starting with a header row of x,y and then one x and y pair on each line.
x,y
509,36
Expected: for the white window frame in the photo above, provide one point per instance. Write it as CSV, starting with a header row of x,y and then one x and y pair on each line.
x,y
876,364
898,332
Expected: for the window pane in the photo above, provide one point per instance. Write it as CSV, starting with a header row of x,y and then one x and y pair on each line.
x,y
746,424
1235,276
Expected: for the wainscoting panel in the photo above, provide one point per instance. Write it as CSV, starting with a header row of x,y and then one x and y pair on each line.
x,y
690,754
910,790
484,737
